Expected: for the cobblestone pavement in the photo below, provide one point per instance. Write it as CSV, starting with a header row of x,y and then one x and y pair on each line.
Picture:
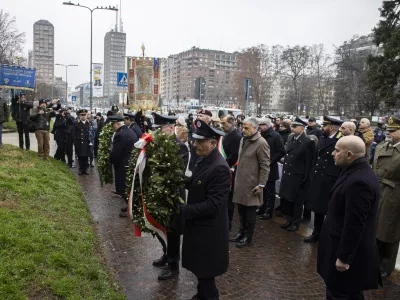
x,y
278,265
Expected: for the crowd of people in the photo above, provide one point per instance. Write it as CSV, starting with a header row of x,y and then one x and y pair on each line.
x,y
344,173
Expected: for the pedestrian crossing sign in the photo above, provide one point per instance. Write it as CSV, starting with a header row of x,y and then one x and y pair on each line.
x,y
122,79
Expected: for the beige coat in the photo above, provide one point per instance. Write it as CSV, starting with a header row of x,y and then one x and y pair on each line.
x,y
252,170
387,167
368,135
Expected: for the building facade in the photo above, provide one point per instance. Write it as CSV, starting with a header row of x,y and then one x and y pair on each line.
x,y
180,71
114,62
43,51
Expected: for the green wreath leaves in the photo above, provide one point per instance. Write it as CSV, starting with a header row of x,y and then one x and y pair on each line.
x,y
163,178
103,163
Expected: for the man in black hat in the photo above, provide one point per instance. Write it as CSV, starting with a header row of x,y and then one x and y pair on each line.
x,y
171,251
20,112
80,136
129,120
205,250
312,128
122,145
323,176
296,173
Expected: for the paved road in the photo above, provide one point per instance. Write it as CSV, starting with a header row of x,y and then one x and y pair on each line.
x,y
278,265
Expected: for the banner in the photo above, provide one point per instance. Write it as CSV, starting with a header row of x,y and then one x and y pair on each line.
x,y
98,79
17,77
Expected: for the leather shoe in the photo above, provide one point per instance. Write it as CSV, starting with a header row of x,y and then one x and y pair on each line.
x,y
259,211
305,220
385,274
168,273
124,209
123,214
243,242
266,216
80,173
312,238
292,228
237,237
85,173
286,225
161,262
195,297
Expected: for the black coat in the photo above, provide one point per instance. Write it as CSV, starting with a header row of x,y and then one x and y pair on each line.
x,y
231,143
285,135
297,167
277,151
314,130
135,127
323,176
205,250
100,126
349,231
42,121
20,111
80,137
122,145
60,128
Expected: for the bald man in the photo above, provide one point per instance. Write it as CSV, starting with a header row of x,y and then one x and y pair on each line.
x,y
347,239
368,134
348,128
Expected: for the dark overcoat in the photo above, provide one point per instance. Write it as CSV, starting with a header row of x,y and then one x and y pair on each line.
x,y
135,127
122,145
60,129
277,151
349,231
314,130
80,136
297,167
205,250
323,175
231,143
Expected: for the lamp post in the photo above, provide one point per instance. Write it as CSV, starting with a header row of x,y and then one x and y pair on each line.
x,y
66,79
113,8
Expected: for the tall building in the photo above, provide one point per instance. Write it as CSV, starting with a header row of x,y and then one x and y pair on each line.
x,y
114,62
43,51
30,58
180,71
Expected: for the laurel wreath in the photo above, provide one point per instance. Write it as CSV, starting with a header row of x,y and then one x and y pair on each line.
x,y
103,164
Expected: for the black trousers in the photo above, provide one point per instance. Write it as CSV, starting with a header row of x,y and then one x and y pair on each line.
x,y
69,149
231,208
207,289
247,216
294,210
83,163
268,205
60,152
96,146
120,179
172,250
388,254
336,295
23,130
91,153
318,222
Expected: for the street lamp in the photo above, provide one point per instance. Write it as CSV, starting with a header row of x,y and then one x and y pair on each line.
x,y
113,8
66,79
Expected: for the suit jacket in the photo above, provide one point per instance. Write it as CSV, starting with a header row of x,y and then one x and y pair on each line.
x,y
314,130
349,231
205,249
297,167
122,145
323,176
277,151
231,143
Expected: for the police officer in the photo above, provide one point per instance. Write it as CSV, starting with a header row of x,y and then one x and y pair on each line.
x,y
312,128
386,166
112,112
129,120
171,251
205,250
123,142
80,136
323,176
296,173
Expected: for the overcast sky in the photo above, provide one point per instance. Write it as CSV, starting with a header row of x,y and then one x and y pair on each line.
x,y
171,26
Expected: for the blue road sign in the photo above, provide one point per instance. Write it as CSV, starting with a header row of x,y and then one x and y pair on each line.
x,y
17,77
122,79
73,98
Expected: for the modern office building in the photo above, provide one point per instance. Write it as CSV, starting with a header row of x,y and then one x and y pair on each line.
x,y
217,68
114,62
43,51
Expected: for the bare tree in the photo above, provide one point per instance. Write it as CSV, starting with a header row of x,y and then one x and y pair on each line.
x,y
11,41
262,64
295,65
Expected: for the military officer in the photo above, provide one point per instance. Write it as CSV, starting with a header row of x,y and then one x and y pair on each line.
x,y
129,120
171,251
296,173
205,250
386,167
379,136
323,176
80,136
122,145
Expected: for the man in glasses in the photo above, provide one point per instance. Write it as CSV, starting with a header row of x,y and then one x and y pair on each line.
x,y
386,166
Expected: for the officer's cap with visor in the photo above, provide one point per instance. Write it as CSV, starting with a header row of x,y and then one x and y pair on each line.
x,y
204,131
